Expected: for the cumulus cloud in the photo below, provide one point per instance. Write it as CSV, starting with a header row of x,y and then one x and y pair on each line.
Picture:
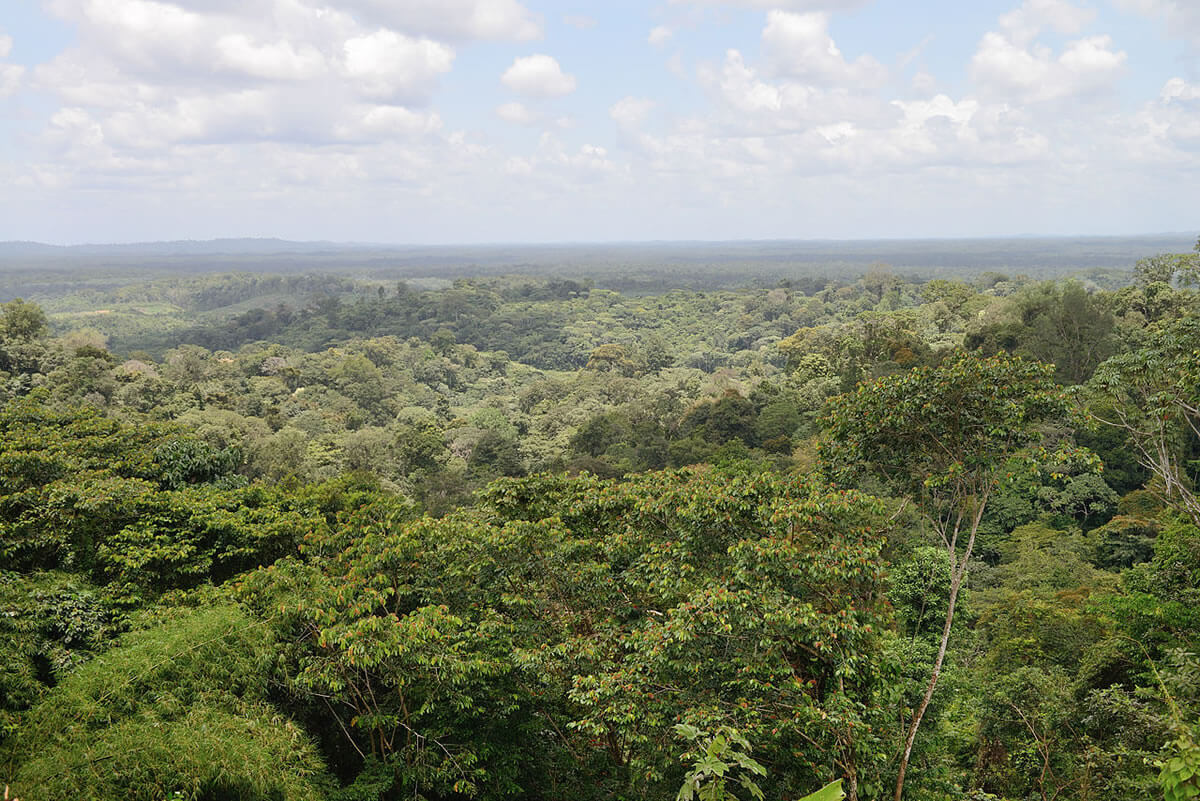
x,y
786,5
1177,89
630,112
1170,125
750,99
390,64
200,95
799,46
1034,16
1182,17
379,123
538,76
516,113
453,19
286,106
10,74
10,78
1012,63
279,60
659,35
1034,73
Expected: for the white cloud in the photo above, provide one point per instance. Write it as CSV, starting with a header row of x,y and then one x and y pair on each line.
x,y
1179,89
280,60
388,122
1033,73
390,64
1182,17
454,19
1165,133
141,35
10,78
147,80
516,113
1034,16
659,35
10,74
1011,63
630,112
924,83
538,76
752,101
740,86
787,5
799,46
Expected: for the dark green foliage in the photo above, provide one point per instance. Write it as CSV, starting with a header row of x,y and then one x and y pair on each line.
x,y
1150,396
1057,323
1124,541
181,462
50,623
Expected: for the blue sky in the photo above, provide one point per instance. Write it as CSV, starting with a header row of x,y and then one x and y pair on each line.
x,y
516,120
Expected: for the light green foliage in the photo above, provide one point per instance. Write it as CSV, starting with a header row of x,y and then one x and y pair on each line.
x,y
410,671
717,760
1178,680
180,707
22,345
1180,777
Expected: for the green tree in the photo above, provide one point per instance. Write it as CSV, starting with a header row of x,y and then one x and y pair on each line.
x,y
21,321
22,334
1168,267
1060,323
944,436
1152,395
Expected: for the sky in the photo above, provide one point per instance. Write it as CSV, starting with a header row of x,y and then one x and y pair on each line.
x,y
471,121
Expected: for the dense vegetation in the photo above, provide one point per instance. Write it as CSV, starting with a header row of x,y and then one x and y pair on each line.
x,y
317,536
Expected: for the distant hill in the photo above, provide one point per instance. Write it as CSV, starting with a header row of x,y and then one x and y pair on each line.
x,y
631,265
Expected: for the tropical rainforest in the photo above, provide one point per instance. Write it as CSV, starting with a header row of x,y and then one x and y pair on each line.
x,y
272,536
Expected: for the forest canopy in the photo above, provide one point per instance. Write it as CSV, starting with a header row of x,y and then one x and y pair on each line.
x,y
326,536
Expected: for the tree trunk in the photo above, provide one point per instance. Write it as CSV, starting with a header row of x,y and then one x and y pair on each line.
x,y
958,572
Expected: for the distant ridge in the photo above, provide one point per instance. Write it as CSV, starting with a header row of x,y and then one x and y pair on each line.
x,y
259,245
189,247
735,261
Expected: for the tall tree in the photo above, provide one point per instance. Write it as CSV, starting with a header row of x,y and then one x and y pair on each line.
x,y
945,436
1153,395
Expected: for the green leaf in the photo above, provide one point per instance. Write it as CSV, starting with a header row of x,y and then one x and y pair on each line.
x,y
830,792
